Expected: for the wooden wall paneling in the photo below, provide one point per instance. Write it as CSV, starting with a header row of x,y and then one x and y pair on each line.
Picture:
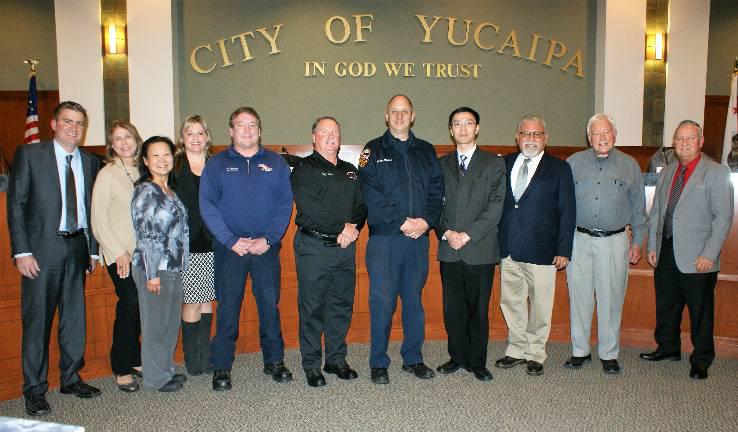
x,y
716,111
13,108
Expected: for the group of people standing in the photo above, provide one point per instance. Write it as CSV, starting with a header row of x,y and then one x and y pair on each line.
x,y
179,227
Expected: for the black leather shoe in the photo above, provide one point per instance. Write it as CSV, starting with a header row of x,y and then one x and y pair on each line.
x,y
449,367
81,389
507,362
36,404
659,355
314,378
179,377
420,370
380,376
611,366
575,362
171,386
482,373
129,387
343,371
221,380
696,372
278,371
534,368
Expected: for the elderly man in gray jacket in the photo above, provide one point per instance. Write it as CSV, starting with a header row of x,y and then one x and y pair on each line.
x,y
691,216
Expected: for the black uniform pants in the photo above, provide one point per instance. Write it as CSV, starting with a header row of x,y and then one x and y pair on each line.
x,y
326,279
60,282
674,289
466,292
125,352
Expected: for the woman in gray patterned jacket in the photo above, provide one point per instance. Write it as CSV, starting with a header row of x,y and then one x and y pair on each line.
x,y
160,257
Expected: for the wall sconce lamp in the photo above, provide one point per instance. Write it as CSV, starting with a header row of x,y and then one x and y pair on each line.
x,y
656,46
114,39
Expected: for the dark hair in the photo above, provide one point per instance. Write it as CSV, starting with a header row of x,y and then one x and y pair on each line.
x,y
319,119
463,110
144,170
70,105
241,110
181,154
123,124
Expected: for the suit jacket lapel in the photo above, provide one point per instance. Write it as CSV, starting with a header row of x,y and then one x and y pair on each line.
x,y
87,172
54,170
697,177
668,174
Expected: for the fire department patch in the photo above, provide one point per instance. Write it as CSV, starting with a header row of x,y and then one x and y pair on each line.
x,y
264,167
364,158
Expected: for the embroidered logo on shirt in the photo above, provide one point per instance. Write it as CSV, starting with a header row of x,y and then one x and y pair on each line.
x,y
364,158
352,175
231,169
327,174
384,160
264,167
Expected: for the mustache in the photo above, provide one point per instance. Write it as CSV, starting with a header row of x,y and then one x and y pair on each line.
x,y
526,143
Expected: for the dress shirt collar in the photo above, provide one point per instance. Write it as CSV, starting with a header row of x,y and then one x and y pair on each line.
x,y
468,155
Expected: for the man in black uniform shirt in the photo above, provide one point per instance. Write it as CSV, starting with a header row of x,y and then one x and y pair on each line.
x,y
330,213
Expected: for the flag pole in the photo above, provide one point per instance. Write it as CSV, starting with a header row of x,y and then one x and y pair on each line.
x,y
32,134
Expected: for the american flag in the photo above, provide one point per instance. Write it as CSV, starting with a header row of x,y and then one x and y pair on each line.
x,y
32,135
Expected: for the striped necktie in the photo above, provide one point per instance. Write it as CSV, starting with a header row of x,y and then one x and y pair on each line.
x,y
70,196
676,192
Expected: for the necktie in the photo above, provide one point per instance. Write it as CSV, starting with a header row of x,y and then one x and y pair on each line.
x,y
462,165
70,194
676,192
522,180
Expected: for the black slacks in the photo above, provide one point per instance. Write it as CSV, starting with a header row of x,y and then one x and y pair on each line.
x,y
466,293
674,290
326,278
60,282
125,352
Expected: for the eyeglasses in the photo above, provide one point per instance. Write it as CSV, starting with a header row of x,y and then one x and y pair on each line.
x,y
690,139
529,134
464,123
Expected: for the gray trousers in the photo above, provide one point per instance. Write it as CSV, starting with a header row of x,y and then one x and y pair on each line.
x,y
598,270
160,319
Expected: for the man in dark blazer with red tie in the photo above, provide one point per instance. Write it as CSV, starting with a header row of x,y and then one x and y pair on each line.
x,y
536,238
690,219
49,218
474,193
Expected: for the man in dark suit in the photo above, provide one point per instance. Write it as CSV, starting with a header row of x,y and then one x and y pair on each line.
x,y
48,217
536,237
689,221
474,192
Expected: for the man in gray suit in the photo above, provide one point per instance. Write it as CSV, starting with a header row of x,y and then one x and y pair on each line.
x,y
691,216
48,218
468,251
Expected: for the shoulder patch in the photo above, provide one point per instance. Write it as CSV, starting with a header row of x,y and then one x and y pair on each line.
x,y
364,158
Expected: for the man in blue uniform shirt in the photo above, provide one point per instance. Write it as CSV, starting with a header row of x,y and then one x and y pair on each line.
x,y
246,202
402,185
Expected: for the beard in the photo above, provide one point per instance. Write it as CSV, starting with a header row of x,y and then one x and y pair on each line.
x,y
531,149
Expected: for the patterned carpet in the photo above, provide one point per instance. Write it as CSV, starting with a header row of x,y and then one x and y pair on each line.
x,y
645,396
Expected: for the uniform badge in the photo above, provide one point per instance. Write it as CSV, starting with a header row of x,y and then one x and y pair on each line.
x,y
264,167
352,175
364,158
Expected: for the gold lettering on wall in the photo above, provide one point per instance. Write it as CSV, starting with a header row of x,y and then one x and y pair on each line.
x,y
478,32
451,30
193,59
360,27
241,39
339,29
427,28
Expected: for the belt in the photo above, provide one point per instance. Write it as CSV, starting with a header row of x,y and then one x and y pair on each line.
x,y
599,233
330,239
68,235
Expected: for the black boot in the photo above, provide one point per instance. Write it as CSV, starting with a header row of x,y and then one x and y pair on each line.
x,y
206,321
190,347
